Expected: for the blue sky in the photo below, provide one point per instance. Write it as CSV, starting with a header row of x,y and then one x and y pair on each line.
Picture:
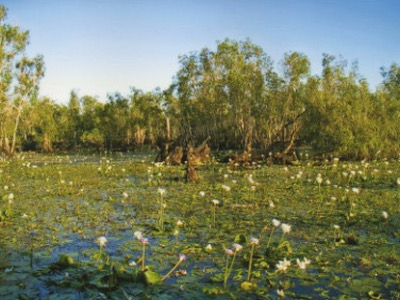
x,y
103,46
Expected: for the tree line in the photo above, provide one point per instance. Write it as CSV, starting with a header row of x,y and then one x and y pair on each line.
x,y
233,94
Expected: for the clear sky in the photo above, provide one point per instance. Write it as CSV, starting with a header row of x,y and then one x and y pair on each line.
x,y
103,46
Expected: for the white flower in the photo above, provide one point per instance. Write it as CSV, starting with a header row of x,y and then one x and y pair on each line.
x,y
10,197
125,195
276,223
355,190
385,215
229,252
254,241
336,227
179,223
24,216
182,257
282,265
319,179
176,232
202,194
398,181
102,241
286,228
250,178
303,264
226,176
226,188
132,263
215,202
271,205
237,247
138,234
161,191
209,247
280,293
6,187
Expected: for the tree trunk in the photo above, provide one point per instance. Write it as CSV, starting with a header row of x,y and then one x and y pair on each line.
x,y
14,138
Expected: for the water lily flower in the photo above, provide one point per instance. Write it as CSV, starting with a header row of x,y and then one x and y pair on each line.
x,y
229,252
250,179
385,215
161,191
280,293
5,187
276,223
215,202
282,265
209,247
102,241
125,195
237,247
336,227
179,223
355,190
254,241
286,228
182,257
24,216
10,197
132,263
202,194
138,234
226,188
271,205
319,179
303,264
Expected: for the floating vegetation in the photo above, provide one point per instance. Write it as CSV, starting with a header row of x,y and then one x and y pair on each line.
x,y
123,227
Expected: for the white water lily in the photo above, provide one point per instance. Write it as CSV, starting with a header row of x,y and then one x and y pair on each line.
x,y
132,263
102,241
303,264
215,202
179,223
202,194
280,293
286,228
385,215
254,241
336,227
237,247
209,247
161,191
355,190
138,234
125,195
226,188
282,265
276,223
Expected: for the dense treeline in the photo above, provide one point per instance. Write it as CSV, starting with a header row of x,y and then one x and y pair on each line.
x,y
233,94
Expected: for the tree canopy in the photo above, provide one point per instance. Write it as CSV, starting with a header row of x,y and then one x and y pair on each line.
x,y
234,94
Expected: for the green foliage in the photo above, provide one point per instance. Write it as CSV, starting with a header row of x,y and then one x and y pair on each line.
x,y
233,94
